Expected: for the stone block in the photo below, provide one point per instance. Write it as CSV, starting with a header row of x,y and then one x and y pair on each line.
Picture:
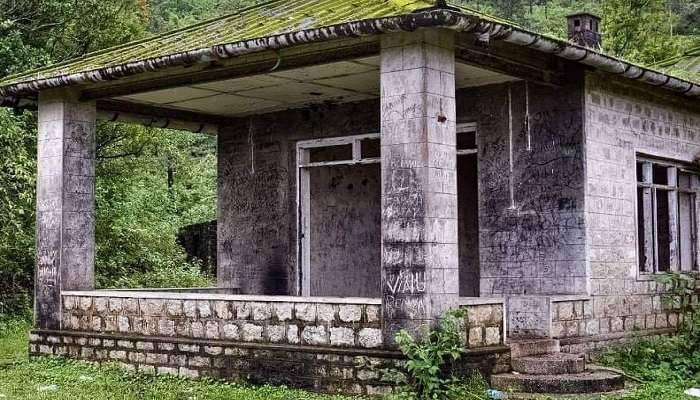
x,y
212,330
188,373
213,350
131,306
373,314
122,323
189,348
166,327
101,305
115,305
117,355
243,310
350,313
276,333
342,337
370,338
204,308
283,311
325,312
565,310
167,371
475,337
222,310
166,346
126,344
251,333
156,358
96,323
147,369
197,361
493,336
85,303
197,329
174,308
293,334
189,307
261,311
144,346
305,312
315,335
230,331
152,307
137,357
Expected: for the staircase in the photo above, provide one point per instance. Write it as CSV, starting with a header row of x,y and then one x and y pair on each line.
x,y
540,367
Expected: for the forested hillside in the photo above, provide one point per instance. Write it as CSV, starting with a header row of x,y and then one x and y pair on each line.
x,y
151,182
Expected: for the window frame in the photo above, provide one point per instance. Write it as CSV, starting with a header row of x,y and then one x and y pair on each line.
x,y
674,189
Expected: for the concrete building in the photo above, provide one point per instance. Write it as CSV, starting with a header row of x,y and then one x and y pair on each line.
x,y
380,162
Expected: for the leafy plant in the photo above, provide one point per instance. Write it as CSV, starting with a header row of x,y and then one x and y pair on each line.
x,y
429,369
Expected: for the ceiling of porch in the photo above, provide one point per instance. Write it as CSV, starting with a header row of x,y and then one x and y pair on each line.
x,y
338,82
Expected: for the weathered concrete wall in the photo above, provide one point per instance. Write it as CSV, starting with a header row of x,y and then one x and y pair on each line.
x,y
65,228
621,121
257,237
531,188
345,230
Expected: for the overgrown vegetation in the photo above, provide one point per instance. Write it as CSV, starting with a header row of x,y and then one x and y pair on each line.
x,y
429,371
667,366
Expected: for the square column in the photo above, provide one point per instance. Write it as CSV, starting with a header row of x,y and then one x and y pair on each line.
x,y
65,229
420,279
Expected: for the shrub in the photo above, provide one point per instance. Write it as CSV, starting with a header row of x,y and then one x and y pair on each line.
x,y
429,371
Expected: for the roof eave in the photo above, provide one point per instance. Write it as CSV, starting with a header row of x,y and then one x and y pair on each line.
x,y
435,18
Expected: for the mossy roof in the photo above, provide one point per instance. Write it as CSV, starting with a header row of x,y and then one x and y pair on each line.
x,y
280,23
689,62
266,19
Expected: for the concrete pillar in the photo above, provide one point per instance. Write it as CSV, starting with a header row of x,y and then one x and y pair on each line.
x,y
65,229
420,279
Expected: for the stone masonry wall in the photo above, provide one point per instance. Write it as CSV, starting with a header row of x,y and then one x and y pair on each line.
x,y
484,323
322,369
316,322
621,121
321,344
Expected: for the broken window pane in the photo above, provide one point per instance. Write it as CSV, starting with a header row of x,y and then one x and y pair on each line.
x,y
663,232
641,232
660,174
686,227
331,153
640,172
370,148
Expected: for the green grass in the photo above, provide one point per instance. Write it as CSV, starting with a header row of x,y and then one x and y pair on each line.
x,y
55,378
666,366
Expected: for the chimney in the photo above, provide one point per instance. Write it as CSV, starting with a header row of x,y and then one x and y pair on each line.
x,y
584,30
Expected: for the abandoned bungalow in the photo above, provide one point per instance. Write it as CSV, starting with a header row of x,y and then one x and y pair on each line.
x,y
379,162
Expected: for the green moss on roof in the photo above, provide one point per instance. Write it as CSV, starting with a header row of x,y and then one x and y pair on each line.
x,y
266,19
688,62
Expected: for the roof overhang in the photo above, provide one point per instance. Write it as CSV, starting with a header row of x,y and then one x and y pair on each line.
x,y
12,94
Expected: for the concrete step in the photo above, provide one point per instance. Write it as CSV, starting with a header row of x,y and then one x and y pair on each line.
x,y
593,381
532,347
549,364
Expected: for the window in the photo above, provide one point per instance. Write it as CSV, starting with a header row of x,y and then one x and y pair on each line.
x,y
667,195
